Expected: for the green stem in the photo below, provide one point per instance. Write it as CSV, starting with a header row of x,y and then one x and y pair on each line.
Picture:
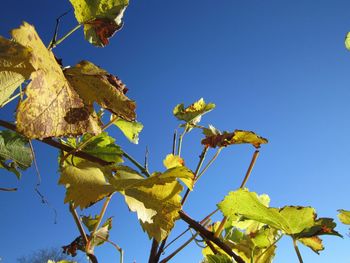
x,y
297,250
78,223
274,243
59,41
121,252
137,164
209,163
180,142
10,99
182,246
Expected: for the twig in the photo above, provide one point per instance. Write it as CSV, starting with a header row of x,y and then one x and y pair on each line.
x,y
137,164
174,141
180,142
297,250
246,177
209,163
146,159
78,223
209,236
8,189
121,258
10,99
54,38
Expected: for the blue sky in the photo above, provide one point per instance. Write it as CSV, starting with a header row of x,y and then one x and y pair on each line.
x,y
278,68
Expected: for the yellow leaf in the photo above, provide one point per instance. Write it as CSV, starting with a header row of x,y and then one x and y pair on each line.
x,y
95,84
15,67
172,161
52,107
85,183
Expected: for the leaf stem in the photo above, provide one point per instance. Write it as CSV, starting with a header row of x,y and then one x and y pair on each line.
x,y
199,165
174,142
78,223
121,257
246,177
180,142
137,164
59,41
182,246
209,163
102,213
297,250
10,99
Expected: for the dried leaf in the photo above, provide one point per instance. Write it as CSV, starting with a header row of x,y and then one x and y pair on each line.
x,y
236,137
52,108
94,84
101,18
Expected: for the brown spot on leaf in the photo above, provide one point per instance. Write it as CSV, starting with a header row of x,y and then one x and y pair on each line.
x,y
104,28
75,115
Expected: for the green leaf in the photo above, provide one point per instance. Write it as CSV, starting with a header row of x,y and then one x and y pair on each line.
x,y
131,129
236,137
101,18
52,107
14,152
314,242
344,216
15,67
85,183
94,84
219,258
193,113
101,234
90,222
157,207
347,41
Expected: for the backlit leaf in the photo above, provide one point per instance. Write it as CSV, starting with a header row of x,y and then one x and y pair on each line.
x,y
14,152
315,243
85,184
52,107
94,84
101,18
347,41
236,137
172,161
193,113
131,129
344,216
161,204
15,67
219,258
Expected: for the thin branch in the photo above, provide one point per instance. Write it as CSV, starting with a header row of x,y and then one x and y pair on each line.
x,y
297,250
137,164
209,236
146,159
10,99
209,163
78,223
200,163
8,189
174,141
54,38
120,250
180,142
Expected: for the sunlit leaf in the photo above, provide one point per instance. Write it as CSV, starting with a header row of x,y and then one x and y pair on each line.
x,y
94,84
131,129
101,18
15,67
314,242
219,258
172,161
85,184
52,107
347,41
344,216
101,234
193,113
236,137
14,152
164,200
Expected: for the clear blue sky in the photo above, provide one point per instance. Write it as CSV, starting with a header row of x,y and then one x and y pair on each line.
x,y
278,68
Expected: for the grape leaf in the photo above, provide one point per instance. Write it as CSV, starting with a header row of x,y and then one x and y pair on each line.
x,y
164,200
347,41
315,243
193,113
95,84
219,258
52,107
101,18
14,152
296,221
85,183
15,67
130,129
236,137
344,216
172,161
